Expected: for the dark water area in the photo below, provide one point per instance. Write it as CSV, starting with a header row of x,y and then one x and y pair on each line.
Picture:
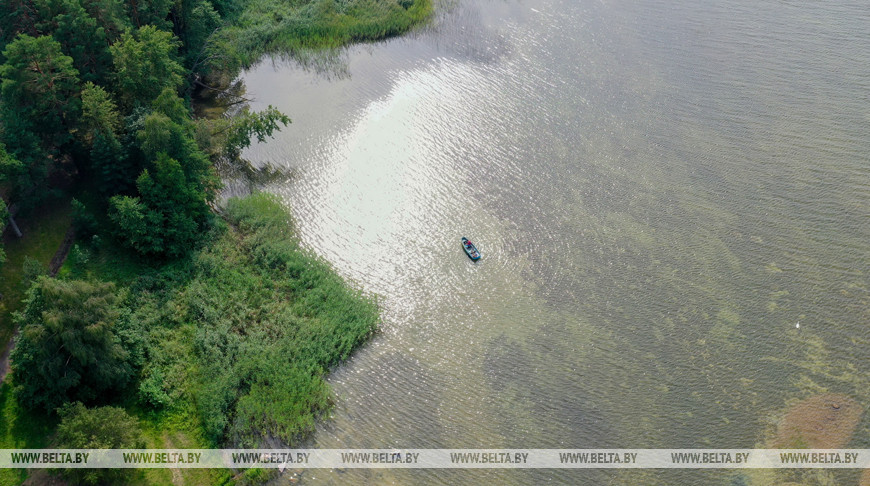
x,y
662,192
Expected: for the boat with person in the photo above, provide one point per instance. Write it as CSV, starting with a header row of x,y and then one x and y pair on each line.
x,y
470,249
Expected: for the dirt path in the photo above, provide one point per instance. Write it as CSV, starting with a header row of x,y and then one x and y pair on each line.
x,y
177,478
53,267
62,252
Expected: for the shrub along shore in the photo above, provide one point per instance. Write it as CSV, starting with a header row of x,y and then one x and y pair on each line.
x,y
179,328
229,346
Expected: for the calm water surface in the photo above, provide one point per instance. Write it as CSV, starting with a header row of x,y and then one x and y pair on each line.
x,y
661,191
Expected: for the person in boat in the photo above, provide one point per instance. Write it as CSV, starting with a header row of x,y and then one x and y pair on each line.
x,y
468,243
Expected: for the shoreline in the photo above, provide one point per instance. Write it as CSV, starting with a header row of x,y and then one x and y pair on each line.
x,y
175,410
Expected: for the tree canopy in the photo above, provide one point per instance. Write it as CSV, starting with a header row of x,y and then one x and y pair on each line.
x,y
96,91
67,350
39,94
145,63
167,216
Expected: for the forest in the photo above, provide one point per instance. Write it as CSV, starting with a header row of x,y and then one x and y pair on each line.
x,y
170,320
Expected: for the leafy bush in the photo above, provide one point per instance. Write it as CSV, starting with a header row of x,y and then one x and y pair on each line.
x,y
97,428
246,332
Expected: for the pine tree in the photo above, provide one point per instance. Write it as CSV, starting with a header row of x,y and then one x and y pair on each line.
x,y
40,95
145,62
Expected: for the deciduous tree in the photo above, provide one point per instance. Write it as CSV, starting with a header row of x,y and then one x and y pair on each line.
x,y
99,112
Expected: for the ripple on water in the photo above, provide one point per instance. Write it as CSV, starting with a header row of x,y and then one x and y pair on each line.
x,y
660,190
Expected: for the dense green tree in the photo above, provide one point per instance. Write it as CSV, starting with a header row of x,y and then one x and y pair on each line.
x,y
168,103
150,12
99,125
39,105
169,129
110,15
83,220
172,205
80,36
145,63
97,428
195,21
40,96
20,179
132,124
169,213
13,173
99,112
112,169
16,17
161,135
138,226
67,349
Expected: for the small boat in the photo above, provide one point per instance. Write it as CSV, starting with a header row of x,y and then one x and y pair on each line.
x,y
470,249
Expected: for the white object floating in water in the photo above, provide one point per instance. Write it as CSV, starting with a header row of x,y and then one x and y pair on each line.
x,y
797,325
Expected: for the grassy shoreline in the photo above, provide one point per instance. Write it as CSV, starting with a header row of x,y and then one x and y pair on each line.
x,y
265,27
230,346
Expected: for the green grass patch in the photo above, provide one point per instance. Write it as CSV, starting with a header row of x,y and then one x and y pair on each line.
x,y
43,231
277,26
103,259
20,429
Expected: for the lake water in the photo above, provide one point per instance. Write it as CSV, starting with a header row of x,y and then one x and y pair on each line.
x,y
661,190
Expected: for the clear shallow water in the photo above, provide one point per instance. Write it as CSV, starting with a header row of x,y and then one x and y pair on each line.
x,y
660,190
